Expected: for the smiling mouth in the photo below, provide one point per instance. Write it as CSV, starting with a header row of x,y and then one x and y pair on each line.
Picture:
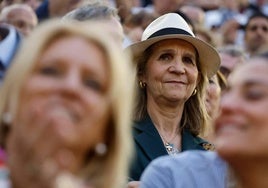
x,y
66,114
64,111
228,129
176,82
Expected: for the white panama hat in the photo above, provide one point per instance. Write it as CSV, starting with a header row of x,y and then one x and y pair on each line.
x,y
173,26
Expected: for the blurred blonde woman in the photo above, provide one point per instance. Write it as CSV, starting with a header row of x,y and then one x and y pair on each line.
x,y
65,109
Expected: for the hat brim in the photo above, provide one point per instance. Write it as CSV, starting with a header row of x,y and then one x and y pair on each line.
x,y
208,56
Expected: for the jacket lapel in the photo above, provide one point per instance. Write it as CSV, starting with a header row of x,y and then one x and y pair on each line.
x,y
189,142
149,139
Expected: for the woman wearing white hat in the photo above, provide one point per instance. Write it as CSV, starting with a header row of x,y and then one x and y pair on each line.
x,y
241,129
173,67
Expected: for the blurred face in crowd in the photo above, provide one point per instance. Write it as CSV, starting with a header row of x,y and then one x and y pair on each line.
x,y
171,72
165,6
242,128
213,96
230,4
196,14
228,63
64,104
23,19
32,3
59,8
256,34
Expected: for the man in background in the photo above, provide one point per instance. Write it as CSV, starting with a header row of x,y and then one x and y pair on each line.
x,y
21,16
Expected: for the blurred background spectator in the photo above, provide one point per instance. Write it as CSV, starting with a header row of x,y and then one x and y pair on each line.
x,y
195,14
135,24
100,12
55,8
206,35
20,16
256,33
231,56
217,84
32,3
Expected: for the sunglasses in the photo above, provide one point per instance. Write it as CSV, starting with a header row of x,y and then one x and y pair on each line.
x,y
255,28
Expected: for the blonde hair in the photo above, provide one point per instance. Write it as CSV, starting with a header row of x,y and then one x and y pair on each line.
x,y
109,170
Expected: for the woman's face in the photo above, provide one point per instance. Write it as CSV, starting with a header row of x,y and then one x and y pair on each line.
x,y
171,72
213,95
64,104
242,128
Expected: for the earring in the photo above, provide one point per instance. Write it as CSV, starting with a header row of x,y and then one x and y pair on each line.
x,y
142,84
6,118
101,149
194,92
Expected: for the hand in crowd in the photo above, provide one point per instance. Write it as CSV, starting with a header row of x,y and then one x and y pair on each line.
x,y
44,160
133,184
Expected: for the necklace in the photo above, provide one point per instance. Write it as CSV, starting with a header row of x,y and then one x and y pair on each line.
x,y
171,149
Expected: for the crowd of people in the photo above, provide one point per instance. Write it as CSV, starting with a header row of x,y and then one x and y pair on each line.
x,y
133,93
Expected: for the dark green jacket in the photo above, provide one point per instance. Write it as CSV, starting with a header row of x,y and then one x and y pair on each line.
x,y
148,146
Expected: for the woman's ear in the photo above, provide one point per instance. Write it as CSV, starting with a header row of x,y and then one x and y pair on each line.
x,y
141,78
141,75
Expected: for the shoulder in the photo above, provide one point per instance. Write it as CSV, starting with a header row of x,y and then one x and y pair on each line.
x,y
188,169
191,142
190,159
4,177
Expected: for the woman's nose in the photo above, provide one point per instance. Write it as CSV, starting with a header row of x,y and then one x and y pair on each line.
x,y
71,83
230,102
177,66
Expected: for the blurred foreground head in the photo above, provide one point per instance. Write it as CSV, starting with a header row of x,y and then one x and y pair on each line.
x,y
66,108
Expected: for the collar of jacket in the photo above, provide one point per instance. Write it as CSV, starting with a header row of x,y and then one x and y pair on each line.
x,y
147,136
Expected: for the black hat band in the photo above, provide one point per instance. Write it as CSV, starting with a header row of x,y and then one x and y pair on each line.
x,y
169,31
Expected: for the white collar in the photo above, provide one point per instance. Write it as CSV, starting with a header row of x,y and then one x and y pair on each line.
x,y
8,45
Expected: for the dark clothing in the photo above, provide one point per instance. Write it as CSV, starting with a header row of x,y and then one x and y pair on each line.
x,y
42,11
149,145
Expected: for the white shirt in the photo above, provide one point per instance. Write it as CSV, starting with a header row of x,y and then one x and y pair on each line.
x,y
8,45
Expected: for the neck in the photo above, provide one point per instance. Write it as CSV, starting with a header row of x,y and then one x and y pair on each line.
x,y
165,118
251,174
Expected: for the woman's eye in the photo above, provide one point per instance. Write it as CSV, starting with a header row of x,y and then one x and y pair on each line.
x,y
211,81
254,95
188,60
50,71
93,84
165,57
